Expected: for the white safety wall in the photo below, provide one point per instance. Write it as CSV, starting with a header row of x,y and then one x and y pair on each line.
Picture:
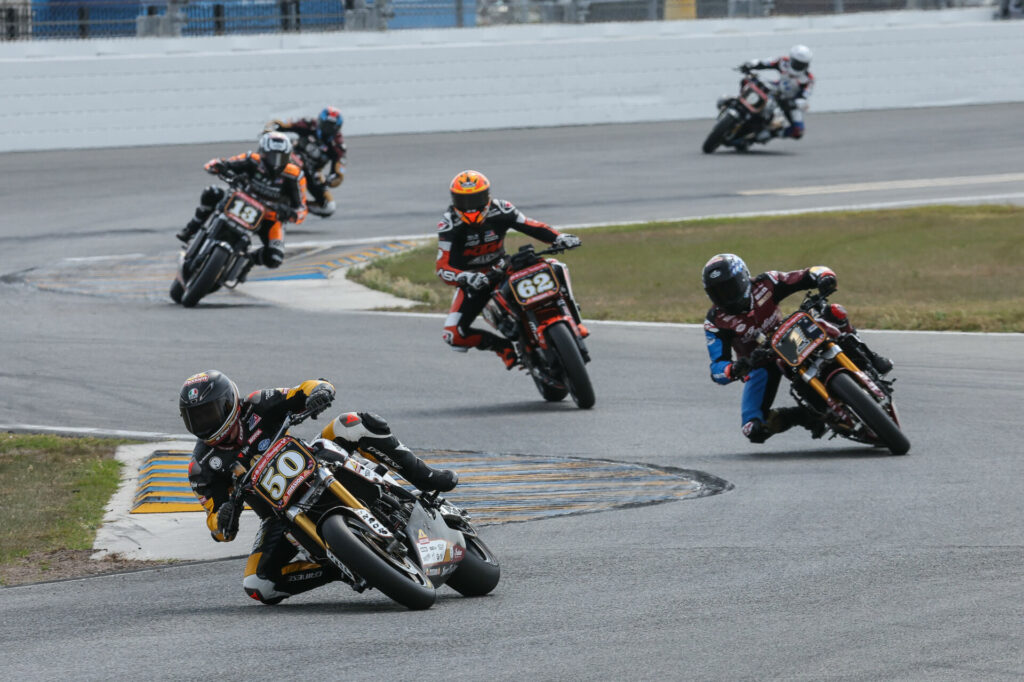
x,y
165,91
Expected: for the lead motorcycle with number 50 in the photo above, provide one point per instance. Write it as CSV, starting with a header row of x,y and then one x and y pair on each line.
x,y
218,254
534,308
349,513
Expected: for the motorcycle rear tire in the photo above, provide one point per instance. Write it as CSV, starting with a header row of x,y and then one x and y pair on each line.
x,y
478,572
206,279
870,412
719,133
177,291
561,338
367,562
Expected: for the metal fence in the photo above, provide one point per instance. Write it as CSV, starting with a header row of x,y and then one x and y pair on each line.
x,y
79,19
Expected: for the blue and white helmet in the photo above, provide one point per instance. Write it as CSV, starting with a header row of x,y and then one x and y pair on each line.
x,y
328,123
727,283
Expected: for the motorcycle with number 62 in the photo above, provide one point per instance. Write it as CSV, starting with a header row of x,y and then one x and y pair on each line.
x,y
842,389
350,514
534,307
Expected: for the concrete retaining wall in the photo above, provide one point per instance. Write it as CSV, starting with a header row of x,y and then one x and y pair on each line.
x,y
159,91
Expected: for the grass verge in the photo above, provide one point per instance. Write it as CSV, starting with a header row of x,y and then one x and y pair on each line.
x,y
935,267
53,491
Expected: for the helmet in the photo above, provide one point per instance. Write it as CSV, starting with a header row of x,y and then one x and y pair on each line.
x,y
727,283
210,407
275,150
471,195
800,57
328,123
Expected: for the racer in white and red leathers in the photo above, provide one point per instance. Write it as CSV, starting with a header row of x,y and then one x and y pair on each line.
x,y
793,86
470,249
746,308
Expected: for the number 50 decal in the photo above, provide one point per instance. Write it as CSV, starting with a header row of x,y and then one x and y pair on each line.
x,y
287,466
528,287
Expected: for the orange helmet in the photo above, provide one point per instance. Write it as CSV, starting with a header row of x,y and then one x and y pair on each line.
x,y
471,195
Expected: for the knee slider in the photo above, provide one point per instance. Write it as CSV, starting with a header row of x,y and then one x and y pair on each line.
x,y
262,590
211,195
756,431
272,256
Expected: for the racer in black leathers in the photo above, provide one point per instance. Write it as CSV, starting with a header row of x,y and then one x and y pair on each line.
x,y
282,184
471,254
322,148
230,428
745,308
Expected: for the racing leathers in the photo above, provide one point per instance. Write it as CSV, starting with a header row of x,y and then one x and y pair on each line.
x,y
791,92
323,160
285,192
728,333
467,258
272,572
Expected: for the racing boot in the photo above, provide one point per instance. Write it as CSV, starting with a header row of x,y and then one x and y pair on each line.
x,y
503,348
853,345
187,232
785,418
371,436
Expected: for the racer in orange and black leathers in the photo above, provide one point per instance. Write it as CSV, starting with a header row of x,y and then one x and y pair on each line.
x,y
322,147
744,308
471,238
273,179
230,428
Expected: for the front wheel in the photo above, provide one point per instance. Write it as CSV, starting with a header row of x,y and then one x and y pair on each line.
x,y
870,412
478,572
720,132
177,290
399,578
562,340
203,281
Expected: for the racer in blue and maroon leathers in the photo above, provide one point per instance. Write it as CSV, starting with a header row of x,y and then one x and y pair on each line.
x,y
470,241
746,308
230,428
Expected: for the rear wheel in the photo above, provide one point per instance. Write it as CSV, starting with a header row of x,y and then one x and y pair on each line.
x,y
720,132
205,280
562,340
398,577
478,572
870,412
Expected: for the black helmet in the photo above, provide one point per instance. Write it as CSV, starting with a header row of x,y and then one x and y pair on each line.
x,y
275,151
209,406
727,283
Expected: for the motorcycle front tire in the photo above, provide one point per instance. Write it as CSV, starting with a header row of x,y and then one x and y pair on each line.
x,y
206,278
177,291
378,572
870,412
720,132
561,339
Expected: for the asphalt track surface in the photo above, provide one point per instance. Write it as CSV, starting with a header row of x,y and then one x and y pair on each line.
x,y
827,560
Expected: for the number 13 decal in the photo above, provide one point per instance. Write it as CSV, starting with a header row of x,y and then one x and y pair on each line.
x,y
245,211
531,286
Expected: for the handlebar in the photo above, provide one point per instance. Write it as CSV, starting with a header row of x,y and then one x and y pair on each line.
x,y
240,477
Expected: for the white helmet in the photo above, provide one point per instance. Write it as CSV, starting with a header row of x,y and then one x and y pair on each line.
x,y
800,57
275,150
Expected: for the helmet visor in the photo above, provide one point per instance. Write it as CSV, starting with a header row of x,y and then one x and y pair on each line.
x,y
276,160
798,65
468,203
732,293
205,420
328,128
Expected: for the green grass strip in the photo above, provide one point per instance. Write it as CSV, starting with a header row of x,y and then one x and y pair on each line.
x,y
53,491
935,267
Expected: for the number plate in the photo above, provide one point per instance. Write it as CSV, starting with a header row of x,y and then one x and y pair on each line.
x,y
534,284
279,472
797,338
244,210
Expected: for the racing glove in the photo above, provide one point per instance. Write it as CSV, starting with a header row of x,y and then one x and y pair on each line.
x,y
737,370
827,284
477,281
227,521
566,241
319,399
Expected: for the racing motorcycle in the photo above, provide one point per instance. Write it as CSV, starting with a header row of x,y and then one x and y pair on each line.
x,y
833,378
534,307
741,118
347,512
218,254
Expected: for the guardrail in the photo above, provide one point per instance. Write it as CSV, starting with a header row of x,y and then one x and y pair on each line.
x,y
83,19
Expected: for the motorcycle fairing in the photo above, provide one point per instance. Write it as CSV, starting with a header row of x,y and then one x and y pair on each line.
x,y
797,338
534,285
278,474
243,210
